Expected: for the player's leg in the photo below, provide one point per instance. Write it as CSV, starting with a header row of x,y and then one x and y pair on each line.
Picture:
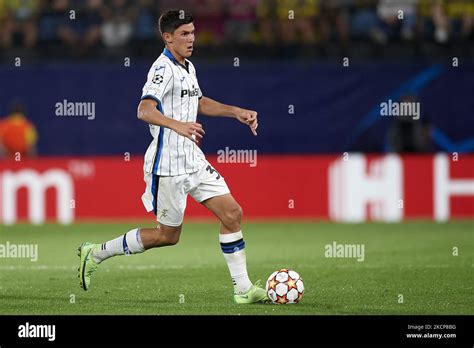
x,y
166,192
232,244
212,192
160,236
137,241
231,238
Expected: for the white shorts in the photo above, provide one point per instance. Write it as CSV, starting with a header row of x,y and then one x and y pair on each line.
x,y
166,195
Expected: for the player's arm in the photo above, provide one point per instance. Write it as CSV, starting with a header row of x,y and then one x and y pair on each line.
x,y
148,112
210,107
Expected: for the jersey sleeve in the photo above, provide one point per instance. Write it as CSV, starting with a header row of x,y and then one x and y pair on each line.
x,y
200,92
158,82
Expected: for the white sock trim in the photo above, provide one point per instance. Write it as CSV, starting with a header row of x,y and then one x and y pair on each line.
x,y
230,237
128,244
236,260
133,241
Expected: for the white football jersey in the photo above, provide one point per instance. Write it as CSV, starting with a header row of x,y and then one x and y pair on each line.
x,y
176,89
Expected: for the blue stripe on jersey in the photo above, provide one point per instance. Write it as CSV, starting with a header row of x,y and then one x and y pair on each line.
x,y
167,53
154,191
233,249
159,147
149,96
159,151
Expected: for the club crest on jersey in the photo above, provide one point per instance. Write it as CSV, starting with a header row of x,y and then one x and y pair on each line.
x,y
190,92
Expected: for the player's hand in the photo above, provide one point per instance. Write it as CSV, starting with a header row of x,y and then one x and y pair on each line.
x,y
248,117
191,130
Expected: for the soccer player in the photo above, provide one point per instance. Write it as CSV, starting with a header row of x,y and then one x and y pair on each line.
x,y
175,166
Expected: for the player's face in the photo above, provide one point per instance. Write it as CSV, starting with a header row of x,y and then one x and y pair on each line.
x,y
183,40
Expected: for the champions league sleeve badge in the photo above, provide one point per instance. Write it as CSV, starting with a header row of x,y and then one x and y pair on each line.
x,y
158,77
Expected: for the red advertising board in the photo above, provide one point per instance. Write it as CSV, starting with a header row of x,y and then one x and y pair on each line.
x,y
348,188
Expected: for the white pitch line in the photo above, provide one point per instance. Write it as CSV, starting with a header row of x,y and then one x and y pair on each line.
x,y
165,267
121,267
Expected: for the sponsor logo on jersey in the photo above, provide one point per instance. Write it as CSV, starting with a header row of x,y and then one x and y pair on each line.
x,y
190,92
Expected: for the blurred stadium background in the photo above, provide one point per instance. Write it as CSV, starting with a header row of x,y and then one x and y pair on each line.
x,y
316,71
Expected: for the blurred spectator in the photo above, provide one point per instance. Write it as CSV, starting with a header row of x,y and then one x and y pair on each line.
x,y
334,19
18,19
17,134
186,5
3,17
409,135
267,23
299,25
364,20
146,21
434,20
391,25
209,17
54,22
461,16
117,29
100,28
241,22
83,30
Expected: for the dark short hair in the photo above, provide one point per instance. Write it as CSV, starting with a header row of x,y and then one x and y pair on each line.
x,y
171,20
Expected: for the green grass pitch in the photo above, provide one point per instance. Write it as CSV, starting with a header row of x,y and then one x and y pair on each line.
x,y
408,268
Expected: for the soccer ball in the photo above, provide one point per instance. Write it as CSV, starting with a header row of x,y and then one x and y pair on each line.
x,y
285,286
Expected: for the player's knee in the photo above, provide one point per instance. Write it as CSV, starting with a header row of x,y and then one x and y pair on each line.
x,y
166,240
233,216
172,239
169,235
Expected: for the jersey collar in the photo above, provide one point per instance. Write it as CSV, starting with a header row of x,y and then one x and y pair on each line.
x,y
167,53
